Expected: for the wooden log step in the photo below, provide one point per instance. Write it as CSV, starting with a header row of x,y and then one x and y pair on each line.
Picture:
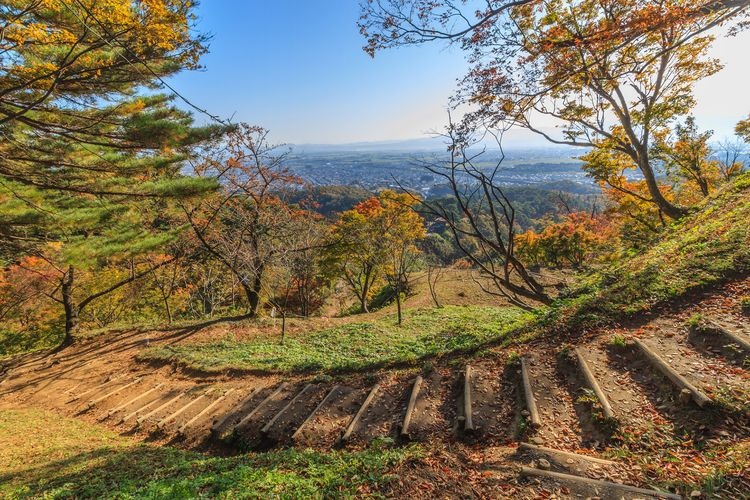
x,y
597,487
326,399
733,337
142,408
93,402
72,390
134,400
681,382
100,386
410,407
263,403
153,412
164,421
231,413
204,411
266,428
534,420
591,381
356,418
467,406
552,452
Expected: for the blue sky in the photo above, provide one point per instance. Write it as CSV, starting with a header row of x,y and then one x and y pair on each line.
x,y
297,68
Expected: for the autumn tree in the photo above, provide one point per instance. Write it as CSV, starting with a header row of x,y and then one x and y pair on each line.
x,y
687,158
574,241
743,129
247,225
611,74
374,242
638,220
401,228
357,253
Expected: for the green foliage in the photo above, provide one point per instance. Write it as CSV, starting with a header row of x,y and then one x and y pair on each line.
x,y
695,322
425,333
743,129
619,342
42,455
14,342
514,359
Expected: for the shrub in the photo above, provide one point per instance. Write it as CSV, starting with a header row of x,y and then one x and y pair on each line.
x,y
619,342
695,323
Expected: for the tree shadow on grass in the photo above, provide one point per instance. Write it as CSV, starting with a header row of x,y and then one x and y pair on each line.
x,y
147,471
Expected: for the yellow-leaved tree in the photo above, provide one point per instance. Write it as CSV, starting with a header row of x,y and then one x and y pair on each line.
x,y
375,242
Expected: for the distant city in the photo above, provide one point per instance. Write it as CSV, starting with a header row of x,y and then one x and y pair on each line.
x,y
377,168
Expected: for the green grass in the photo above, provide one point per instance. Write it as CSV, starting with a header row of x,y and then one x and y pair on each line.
x,y
43,455
15,343
356,346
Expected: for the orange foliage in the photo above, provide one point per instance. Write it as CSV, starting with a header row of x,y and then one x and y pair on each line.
x,y
570,242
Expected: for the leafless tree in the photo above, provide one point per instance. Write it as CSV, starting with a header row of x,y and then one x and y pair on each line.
x,y
247,223
435,273
730,154
485,228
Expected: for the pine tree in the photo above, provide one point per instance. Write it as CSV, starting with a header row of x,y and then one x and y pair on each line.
x,y
89,145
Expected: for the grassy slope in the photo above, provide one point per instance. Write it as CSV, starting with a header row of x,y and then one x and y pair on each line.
x,y
70,458
704,249
355,346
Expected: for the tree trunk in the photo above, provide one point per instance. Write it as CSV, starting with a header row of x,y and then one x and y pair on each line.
x,y
398,304
208,307
433,275
71,309
168,309
669,209
703,184
253,300
363,301
365,292
253,293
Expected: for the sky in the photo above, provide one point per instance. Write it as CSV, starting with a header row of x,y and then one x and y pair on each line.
x,y
297,68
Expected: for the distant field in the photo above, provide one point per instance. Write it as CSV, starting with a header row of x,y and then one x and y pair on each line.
x,y
45,456
353,346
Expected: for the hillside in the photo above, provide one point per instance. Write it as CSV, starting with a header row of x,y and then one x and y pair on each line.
x,y
179,403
